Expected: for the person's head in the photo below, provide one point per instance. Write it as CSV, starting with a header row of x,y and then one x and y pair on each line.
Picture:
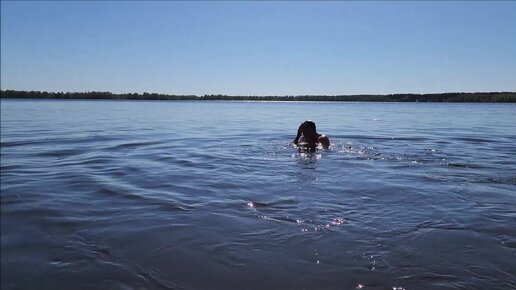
x,y
308,128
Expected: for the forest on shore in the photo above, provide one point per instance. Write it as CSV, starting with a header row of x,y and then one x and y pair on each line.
x,y
488,97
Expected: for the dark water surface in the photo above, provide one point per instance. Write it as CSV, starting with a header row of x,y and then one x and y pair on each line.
x,y
209,195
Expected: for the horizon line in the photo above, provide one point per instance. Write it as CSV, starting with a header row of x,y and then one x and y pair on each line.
x,y
248,95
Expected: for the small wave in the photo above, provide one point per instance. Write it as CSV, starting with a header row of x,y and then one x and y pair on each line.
x,y
97,160
417,230
279,204
7,144
124,194
59,140
472,140
173,206
396,138
279,218
133,145
510,243
307,225
10,167
430,277
188,162
160,202
436,225
62,153
511,180
461,165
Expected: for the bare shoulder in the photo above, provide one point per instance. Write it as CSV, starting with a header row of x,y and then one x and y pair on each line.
x,y
324,140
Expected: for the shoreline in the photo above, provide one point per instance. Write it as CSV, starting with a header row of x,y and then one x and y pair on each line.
x,y
477,97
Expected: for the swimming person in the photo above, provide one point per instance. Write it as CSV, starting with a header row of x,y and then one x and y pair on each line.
x,y
308,139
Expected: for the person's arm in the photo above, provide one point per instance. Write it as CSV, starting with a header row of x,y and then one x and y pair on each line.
x,y
299,133
325,141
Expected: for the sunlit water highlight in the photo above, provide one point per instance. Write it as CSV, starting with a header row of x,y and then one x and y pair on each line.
x,y
210,195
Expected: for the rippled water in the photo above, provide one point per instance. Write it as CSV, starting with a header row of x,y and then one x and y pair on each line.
x,y
210,195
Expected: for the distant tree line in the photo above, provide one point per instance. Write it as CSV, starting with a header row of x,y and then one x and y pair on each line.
x,y
490,97
92,95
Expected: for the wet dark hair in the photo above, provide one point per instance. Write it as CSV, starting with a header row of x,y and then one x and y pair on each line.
x,y
309,124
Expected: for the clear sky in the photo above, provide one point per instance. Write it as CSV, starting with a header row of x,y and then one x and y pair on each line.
x,y
259,48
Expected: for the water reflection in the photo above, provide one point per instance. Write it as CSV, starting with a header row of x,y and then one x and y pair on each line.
x,y
307,164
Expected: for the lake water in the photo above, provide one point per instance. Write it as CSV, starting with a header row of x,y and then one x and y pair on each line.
x,y
210,195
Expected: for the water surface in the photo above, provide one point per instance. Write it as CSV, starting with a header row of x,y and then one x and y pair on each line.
x,y
210,195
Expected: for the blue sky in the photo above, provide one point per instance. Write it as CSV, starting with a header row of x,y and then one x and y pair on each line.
x,y
259,48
